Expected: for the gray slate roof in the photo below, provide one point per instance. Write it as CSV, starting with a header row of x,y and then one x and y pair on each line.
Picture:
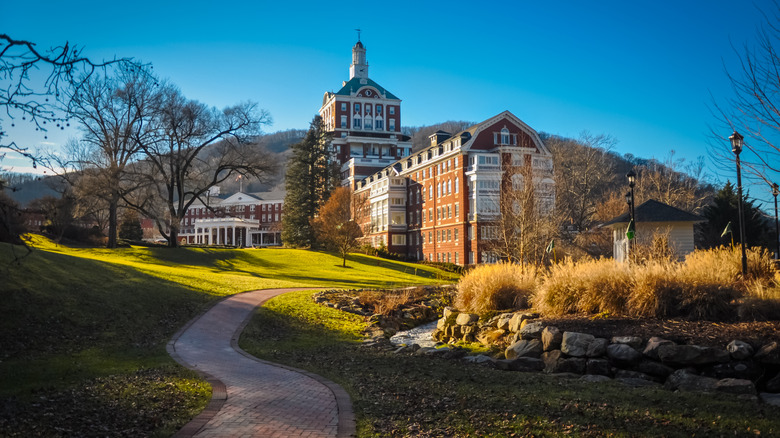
x,y
655,211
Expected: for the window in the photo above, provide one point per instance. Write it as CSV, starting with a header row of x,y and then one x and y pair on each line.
x,y
455,232
264,205
276,218
448,257
379,110
457,208
430,214
344,122
449,187
438,213
265,218
391,124
399,239
357,108
457,189
449,212
380,124
368,108
438,236
456,258
430,237
252,208
430,192
391,110
471,257
356,123
343,106
396,201
504,136
449,235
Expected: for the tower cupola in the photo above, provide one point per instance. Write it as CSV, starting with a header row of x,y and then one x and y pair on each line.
x,y
359,67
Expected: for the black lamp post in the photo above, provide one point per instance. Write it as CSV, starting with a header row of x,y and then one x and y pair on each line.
x,y
775,192
631,175
736,147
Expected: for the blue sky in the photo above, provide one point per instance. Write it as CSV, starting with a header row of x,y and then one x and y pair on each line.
x,y
641,71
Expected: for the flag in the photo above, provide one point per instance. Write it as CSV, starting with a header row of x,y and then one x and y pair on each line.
x,y
630,231
551,246
726,230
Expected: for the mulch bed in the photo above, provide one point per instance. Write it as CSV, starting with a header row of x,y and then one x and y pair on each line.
x,y
705,333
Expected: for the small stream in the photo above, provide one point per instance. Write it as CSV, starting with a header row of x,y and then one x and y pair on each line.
x,y
420,335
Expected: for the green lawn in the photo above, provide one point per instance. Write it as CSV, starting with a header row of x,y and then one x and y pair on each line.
x,y
406,395
74,320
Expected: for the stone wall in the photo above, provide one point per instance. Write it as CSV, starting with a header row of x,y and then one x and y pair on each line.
x,y
528,345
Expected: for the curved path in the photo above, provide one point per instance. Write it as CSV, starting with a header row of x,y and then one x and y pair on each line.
x,y
252,397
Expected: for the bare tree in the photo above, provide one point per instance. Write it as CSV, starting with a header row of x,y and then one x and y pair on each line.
x,y
584,172
193,148
673,182
115,113
58,68
754,108
525,224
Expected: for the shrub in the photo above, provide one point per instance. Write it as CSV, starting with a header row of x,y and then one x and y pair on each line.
x,y
591,286
495,287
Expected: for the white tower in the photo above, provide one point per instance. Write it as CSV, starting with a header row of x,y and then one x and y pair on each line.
x,y
359,67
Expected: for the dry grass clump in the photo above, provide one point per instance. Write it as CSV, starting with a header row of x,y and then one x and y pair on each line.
x,y
385,303
495,287
655,292
591,286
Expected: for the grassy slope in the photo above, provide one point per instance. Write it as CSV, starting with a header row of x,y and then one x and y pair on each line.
x,y
403,395
69,316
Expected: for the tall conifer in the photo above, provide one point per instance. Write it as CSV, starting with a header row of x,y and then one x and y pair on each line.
x,y
309,181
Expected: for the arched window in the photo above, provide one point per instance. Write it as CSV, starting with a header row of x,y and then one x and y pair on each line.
x,y
504,136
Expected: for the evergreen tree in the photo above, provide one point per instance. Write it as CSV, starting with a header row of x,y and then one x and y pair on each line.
x,y
724,209
130,227
309,181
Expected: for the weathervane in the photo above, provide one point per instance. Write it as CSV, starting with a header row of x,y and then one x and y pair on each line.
x,y
358,31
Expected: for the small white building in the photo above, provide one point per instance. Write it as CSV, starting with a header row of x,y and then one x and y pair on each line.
x,y
655,218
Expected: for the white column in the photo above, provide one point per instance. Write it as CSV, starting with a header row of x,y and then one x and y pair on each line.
x,y
234,236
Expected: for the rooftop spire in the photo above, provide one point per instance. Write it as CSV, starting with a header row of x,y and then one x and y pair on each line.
x,y
359,67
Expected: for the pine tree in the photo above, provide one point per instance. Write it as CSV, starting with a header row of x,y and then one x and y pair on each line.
x,y
723,210
309,181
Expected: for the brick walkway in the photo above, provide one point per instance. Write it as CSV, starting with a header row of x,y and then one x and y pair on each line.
x,y
252,397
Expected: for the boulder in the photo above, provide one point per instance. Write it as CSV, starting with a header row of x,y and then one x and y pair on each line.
x,y
769,354
531,330
635,382
551,338
490,336
597,348
739,350
653,344
466,319
770,399
743,369
773,384
736,386
598,366
623,354
692,355
576,344
634,341
441,323
503,321
595,378
555,362
654,368
687,381
516,322
525,364
449,311
522,348
626,374
479,359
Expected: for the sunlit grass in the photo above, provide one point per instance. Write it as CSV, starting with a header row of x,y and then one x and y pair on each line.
x,y
70,315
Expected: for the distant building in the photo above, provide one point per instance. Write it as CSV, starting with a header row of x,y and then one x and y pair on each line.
x,y
654,218
241,219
